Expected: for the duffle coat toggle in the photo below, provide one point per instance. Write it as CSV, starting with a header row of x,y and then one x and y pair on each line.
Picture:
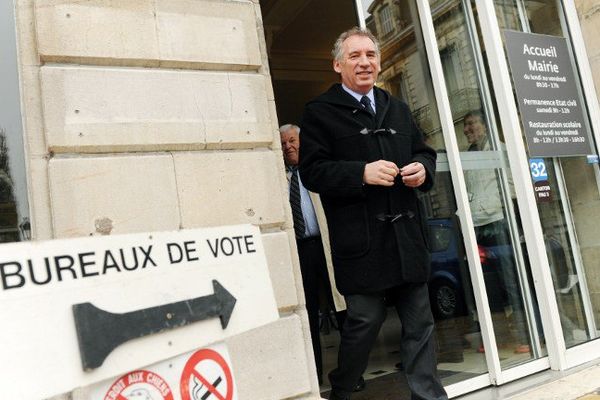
x,y
395,217
380,131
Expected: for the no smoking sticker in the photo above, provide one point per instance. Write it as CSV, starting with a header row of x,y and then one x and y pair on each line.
x,y
139,385
207,376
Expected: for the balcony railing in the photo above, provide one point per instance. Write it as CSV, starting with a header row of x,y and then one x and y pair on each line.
x,y
464,100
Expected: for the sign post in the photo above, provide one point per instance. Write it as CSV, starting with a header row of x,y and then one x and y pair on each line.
x,y
85,310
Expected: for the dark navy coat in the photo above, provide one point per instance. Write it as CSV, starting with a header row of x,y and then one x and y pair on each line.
x,y
338,138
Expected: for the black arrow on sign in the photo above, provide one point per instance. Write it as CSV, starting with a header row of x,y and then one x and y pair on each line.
x,y
99,332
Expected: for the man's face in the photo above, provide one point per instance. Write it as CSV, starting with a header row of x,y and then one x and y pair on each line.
x,y
474,129
290,144
359,65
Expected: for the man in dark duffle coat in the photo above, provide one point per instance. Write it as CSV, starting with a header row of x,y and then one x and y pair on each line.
x,y
365,156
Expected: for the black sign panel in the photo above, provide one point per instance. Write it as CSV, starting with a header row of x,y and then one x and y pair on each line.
x,y
550,105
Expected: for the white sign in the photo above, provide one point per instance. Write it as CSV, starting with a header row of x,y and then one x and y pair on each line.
x,y
41,282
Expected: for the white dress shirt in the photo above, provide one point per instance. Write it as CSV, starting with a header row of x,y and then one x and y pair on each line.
x,y
311,226
359,96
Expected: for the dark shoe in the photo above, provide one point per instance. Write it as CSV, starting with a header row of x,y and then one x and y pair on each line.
x,y
360,386
334,396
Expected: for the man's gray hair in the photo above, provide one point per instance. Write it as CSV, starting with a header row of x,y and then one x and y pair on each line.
x,y
338,52
287,127
475,113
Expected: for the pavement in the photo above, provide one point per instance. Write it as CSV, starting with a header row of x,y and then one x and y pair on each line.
x,y
580,385
591,396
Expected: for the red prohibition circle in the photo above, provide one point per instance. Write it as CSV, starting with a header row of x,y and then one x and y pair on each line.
x,y
138,377
190,369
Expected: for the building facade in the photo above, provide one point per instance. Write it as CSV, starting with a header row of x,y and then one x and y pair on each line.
x,y
159,115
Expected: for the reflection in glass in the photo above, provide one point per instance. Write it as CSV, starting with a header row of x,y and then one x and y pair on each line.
x,y
14,223
8,208
570,217
489,185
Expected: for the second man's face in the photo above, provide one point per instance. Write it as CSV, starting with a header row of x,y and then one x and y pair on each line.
x,y
290,144
359,66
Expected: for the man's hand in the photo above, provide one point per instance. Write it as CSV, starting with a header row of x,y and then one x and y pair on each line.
x,y
380,173
413,174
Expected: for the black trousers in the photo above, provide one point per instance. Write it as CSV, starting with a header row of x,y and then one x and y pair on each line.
x,y
365,315
317,290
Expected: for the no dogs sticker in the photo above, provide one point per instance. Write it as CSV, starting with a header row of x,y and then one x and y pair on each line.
x,y
139,385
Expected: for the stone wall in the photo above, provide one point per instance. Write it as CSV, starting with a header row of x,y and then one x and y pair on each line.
x,y
146,115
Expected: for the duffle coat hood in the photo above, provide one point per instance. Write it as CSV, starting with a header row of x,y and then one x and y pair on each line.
x,y
377,234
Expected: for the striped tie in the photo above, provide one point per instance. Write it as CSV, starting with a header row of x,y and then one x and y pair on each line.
x,y
295,203
366,102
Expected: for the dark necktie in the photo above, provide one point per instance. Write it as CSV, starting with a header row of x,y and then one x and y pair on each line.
x,y
366,102
295,203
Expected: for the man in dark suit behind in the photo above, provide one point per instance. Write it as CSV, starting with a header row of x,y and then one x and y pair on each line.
x,y
313,265
311,249
362,152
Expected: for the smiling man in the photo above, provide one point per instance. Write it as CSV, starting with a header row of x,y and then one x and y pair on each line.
x,y
362,152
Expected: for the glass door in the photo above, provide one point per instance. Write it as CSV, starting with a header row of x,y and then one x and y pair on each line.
x,y
569,219
558,225
405,74
499,194
14,206
489,185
